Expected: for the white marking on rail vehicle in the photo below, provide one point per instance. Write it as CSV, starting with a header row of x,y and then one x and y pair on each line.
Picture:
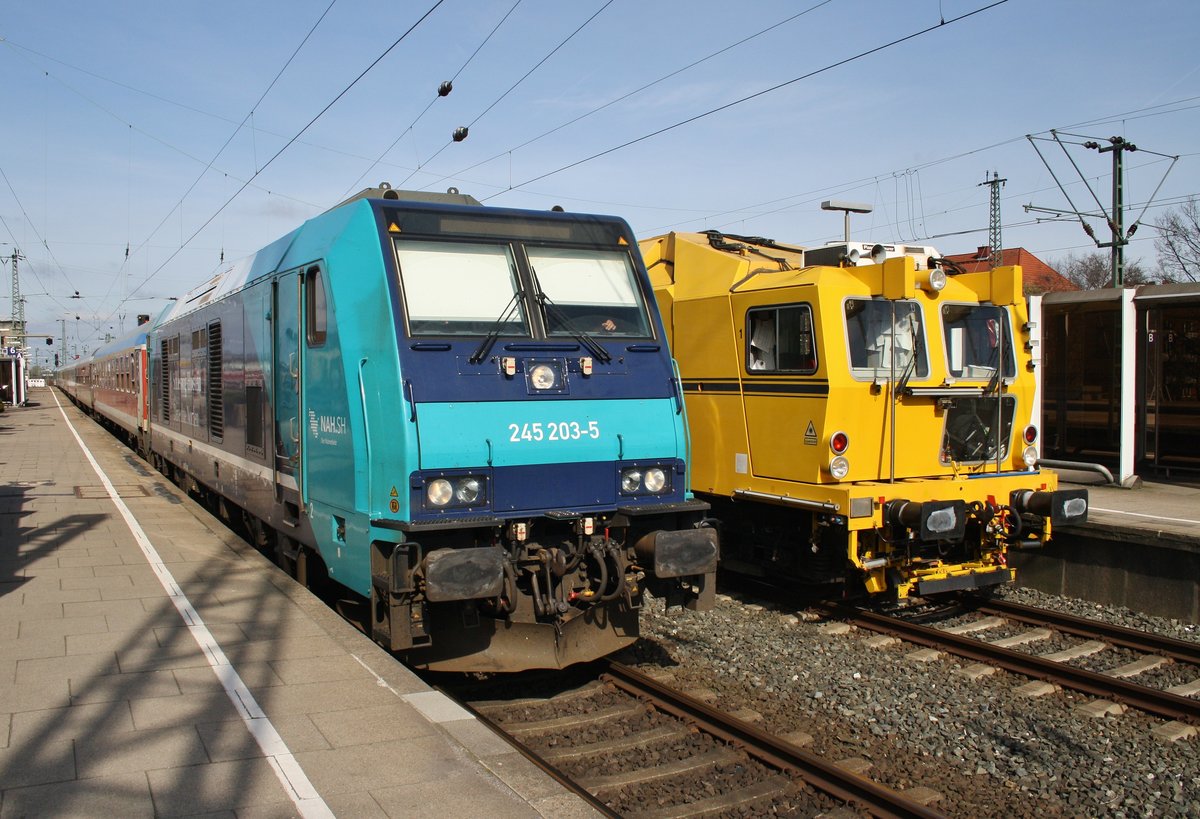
x,y
291,776
237,462
122,418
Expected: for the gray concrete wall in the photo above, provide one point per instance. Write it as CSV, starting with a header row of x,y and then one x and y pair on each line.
x,y
1156,575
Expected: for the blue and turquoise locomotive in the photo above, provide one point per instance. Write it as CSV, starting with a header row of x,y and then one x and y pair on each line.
x,y
467,415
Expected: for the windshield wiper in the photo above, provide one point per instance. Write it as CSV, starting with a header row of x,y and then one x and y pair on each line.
x,y
994,383
910,369
594,347
485,346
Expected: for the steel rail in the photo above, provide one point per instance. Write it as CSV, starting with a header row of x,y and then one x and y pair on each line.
x,y
1181,651
878,800
1151,700
525,751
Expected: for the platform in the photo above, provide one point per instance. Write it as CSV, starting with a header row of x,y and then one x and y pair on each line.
x,y
153,664
1140,548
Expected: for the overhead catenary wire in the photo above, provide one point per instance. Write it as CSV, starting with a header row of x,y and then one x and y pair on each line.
x,y
1158,109
798,199
289,143
448,85
757,94
634,92
41,240
665,193
850,185
461,132
237,129
178,104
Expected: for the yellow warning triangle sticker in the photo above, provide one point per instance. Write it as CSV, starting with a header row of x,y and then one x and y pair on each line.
x,y
393,228
394,493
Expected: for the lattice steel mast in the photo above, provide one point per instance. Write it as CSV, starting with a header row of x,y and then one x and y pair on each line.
x,y
995,243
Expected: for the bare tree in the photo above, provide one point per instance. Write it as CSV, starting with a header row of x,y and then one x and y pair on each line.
x,y
1092,271
1178,243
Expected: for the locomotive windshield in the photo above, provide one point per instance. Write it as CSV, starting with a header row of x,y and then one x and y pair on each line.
x,y
460,289
971,425
885,334
974,335
592,291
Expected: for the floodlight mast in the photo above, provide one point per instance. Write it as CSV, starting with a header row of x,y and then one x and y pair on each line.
x,y
847,208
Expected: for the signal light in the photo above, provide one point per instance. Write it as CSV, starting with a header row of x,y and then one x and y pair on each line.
x,y
839,442
1030,434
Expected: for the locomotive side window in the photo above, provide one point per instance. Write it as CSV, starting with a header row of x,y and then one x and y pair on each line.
x,y
460,289
315,307
780,339
879,331
589,291
975,334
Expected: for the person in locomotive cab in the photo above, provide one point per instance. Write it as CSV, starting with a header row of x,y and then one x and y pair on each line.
x,y
762,341
880,338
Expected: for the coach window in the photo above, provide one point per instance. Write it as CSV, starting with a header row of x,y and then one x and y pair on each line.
x,y
780,339
317,318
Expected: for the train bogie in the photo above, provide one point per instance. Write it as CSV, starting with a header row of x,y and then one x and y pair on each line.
x,y
862,422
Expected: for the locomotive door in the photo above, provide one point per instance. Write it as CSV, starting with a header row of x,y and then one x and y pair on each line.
x,y
287,341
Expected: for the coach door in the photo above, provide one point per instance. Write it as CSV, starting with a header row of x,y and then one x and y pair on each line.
x,y
288,342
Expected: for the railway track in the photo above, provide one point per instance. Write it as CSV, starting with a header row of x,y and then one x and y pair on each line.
x,y
636,747
1116,685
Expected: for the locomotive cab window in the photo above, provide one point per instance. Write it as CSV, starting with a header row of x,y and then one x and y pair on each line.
x,y
589,291
971,427
975,336
460,289
884,334
780,339
317,317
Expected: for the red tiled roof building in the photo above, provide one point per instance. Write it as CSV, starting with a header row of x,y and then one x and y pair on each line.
x,y
1039,276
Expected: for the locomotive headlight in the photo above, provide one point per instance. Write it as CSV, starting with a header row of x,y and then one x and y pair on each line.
x,y
935,281
631,481
468,490
655,479
1030,456
542,377
439,492
839,467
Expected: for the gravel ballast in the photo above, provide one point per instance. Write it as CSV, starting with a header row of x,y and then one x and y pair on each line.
x,y
989,751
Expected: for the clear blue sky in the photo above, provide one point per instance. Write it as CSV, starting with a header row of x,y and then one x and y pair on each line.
x,y
112,111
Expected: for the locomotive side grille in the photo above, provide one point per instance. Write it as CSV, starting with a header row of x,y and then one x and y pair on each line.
x,y
216,389
164,380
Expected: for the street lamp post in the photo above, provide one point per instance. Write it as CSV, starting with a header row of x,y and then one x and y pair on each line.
x,y
847,208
